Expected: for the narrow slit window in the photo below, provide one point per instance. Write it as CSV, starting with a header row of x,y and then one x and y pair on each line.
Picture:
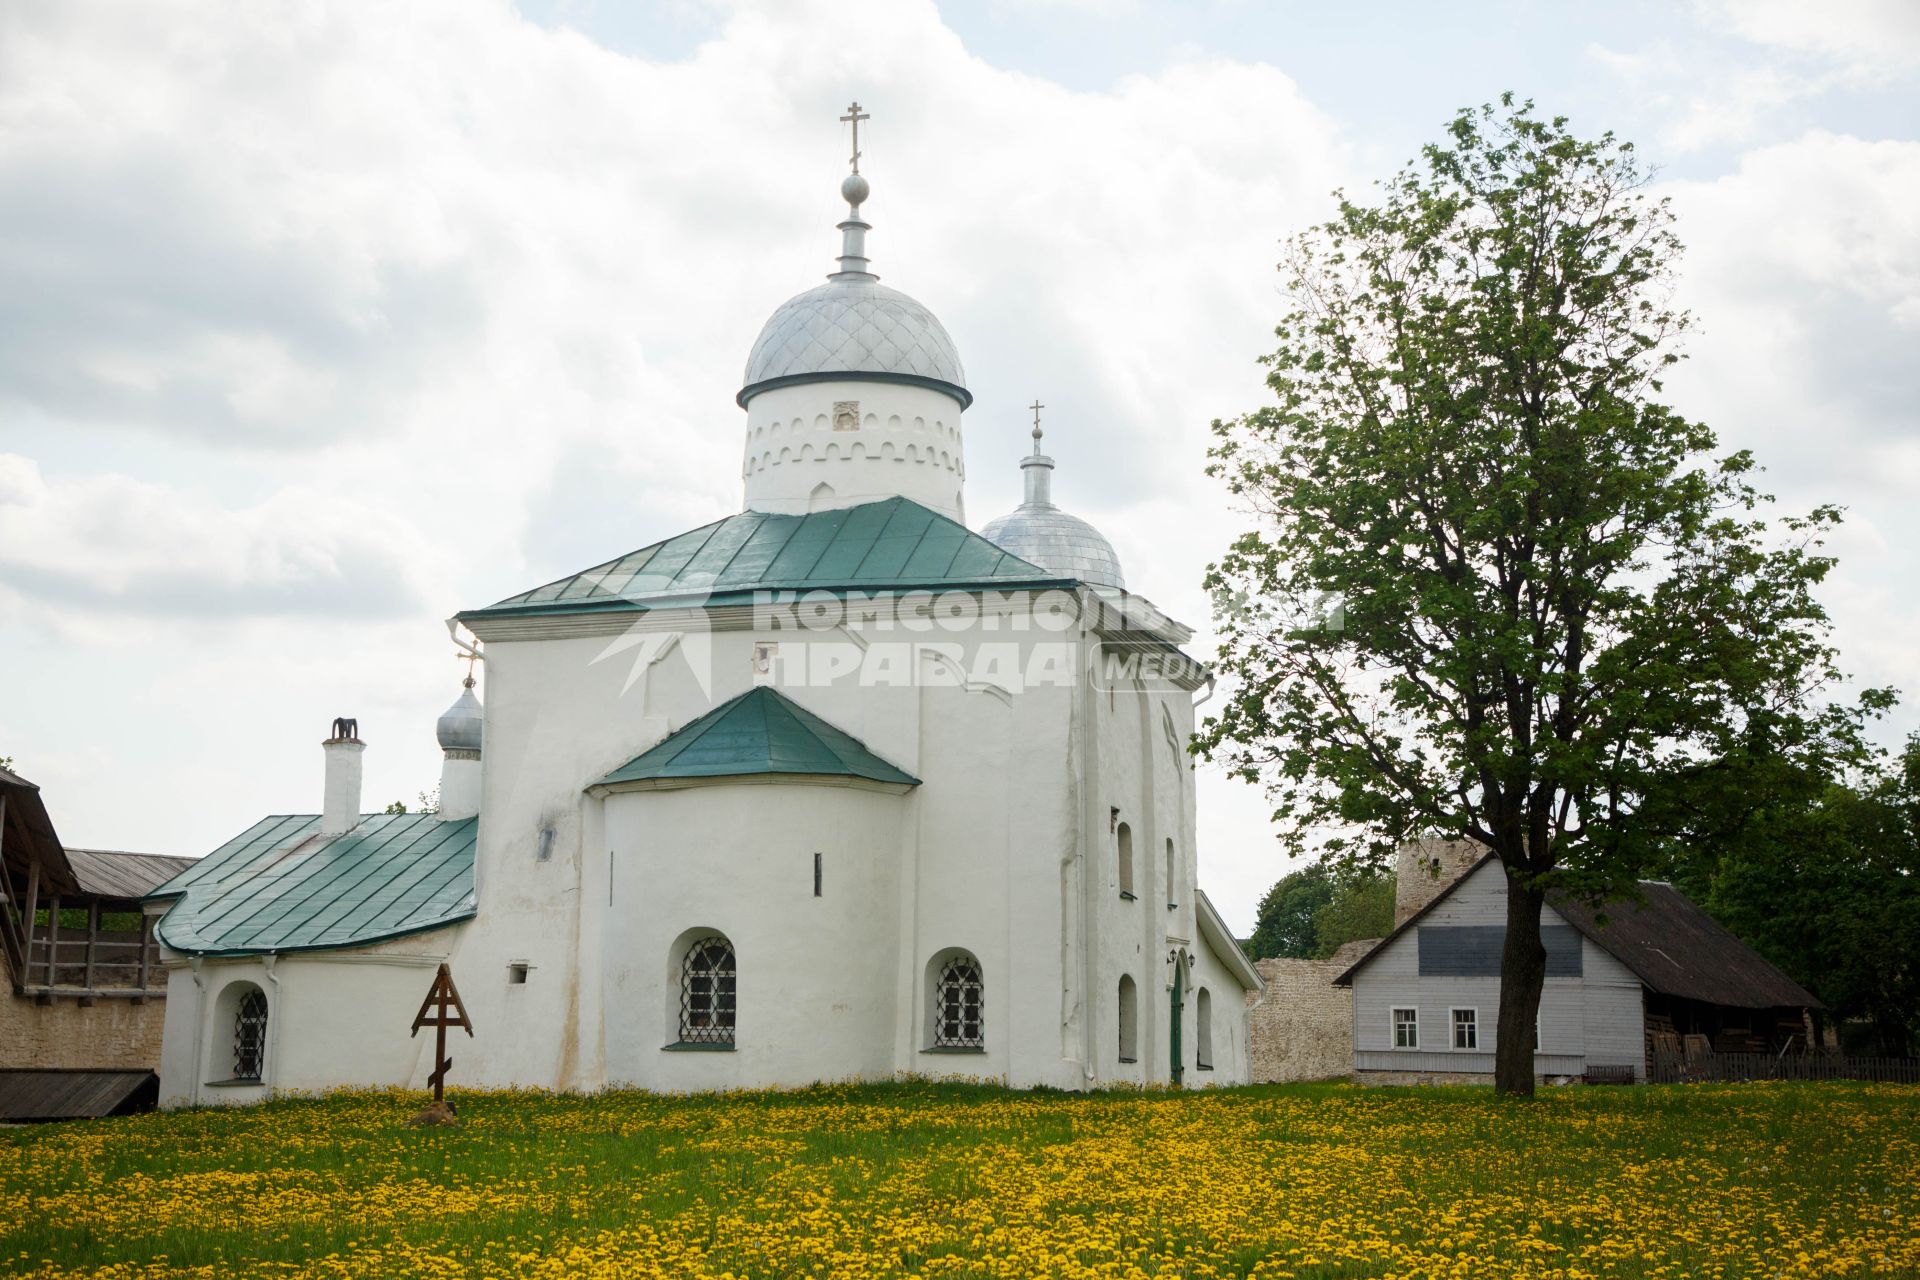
x,y
816,875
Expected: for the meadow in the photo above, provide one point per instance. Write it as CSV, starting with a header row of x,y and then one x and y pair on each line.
x,y
945,1180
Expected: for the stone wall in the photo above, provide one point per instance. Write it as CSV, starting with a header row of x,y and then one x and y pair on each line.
x,y
1302,1029
114,1033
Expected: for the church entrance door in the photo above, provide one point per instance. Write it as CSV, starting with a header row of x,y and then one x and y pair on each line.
x,y
1179,1006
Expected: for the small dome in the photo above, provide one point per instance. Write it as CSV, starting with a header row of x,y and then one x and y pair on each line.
x,y
1058,542
852,326
460,728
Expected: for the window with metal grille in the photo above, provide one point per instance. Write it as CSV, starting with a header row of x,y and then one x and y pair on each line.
x,y
957,1023
250,1035
706,992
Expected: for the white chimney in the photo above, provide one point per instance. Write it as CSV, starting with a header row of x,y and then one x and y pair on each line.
x,y
460,732
340,809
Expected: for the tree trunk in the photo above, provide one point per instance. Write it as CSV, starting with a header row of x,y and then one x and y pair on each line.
x,y
1523,972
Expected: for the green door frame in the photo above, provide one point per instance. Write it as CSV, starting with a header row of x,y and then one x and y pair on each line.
x,y
1179,1006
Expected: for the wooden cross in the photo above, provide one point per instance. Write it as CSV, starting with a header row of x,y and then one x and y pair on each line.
x,y
440,1010
854,116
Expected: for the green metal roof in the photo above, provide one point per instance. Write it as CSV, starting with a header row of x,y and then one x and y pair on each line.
x,y
281,886
891,544
761,731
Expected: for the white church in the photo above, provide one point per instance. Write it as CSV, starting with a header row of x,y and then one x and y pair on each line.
x,y
833,787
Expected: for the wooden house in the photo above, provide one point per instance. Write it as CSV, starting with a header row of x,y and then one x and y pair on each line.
x,y
1654,978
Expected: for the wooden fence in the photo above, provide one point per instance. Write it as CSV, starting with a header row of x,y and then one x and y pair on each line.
x,y
1792,1066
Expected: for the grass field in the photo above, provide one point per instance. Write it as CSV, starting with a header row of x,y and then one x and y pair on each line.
x,y
963,1181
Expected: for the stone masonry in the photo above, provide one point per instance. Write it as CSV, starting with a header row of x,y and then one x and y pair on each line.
x,y
114,1033
1302,1029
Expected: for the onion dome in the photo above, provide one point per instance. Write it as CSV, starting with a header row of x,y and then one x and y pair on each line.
x,y
853,328
1041,533
460,728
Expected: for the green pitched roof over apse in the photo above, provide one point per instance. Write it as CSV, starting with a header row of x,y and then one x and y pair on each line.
x,y
892,544
281,886
759,732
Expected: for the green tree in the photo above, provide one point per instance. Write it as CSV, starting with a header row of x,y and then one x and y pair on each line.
x,y
1361,907
1826,883
1285,925
1497,591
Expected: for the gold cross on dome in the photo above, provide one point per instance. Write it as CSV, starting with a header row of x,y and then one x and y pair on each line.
x,y
854,116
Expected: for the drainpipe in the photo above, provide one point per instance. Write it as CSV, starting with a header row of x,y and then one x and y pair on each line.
x,y
200,1029
275,1017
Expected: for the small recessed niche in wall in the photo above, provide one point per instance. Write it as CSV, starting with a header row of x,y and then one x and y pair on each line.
x,y
817,858
517,973
765,654
543,852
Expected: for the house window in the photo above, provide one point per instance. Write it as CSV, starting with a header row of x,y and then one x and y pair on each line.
x,y
957,1020
1129,1021
250,1035
707,979
1203,1030
1124,834
1536,1033
1406,1028
1466,1028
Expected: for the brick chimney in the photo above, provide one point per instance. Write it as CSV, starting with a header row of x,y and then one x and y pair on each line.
x,y
340,806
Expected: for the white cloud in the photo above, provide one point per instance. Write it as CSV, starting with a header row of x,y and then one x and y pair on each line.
x,y
334,322
1867,38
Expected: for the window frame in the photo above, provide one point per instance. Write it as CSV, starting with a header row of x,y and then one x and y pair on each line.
x,y
723,1032
949,979
1471,1026
1127,992
250,1035
1394,1024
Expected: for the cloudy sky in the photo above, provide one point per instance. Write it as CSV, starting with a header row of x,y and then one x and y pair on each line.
x,y
319,322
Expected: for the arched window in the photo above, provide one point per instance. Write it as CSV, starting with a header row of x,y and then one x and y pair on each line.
x,y
1125,836
957,1020
250,1034
1129,1021
1203,1030
1173,892
707,977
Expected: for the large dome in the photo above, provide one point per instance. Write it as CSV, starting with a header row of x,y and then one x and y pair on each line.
x,y
854,327
1056,541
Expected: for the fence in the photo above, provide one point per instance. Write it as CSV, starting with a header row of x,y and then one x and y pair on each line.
x,y
1666,1069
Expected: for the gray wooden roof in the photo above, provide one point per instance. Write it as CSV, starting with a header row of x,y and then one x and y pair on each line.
x,y
31,1094
114,873
1677,949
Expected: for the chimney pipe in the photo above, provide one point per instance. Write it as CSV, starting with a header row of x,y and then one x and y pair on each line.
x,y
340,809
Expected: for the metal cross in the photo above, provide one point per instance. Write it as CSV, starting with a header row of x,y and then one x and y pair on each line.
x,y
854,116
1036,406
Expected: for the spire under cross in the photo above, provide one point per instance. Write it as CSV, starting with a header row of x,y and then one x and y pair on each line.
x,y
1036,406
854,116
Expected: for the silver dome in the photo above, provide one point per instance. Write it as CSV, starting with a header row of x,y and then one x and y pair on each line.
x,y
853,325
460,728
1058,542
